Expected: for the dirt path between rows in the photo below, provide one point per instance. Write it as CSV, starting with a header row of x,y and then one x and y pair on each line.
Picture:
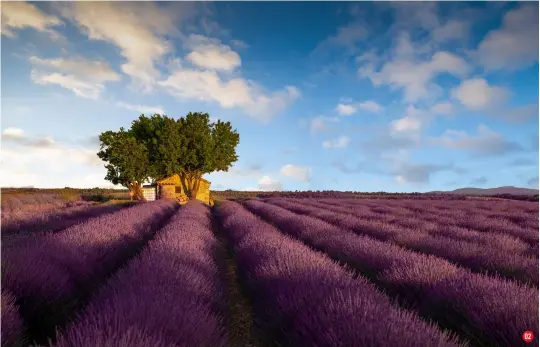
x,y
242,332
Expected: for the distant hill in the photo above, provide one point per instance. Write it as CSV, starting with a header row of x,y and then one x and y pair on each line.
x,y
491,191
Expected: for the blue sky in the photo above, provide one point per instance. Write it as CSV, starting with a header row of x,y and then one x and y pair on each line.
x,y
364,96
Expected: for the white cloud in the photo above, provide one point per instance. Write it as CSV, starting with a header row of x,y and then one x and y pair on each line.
x,y
406,124
367,62
407,172
416,77
400,179
238,177
407,68
345,110
425,15
477,94
370,106
208,86
49,168
486,142
346,37
266,183
319,124
404,170
351,108
517,114
13,133
416,14
410,123
241,173
17,15
18,136
211,54
341,142
43,162
451,30
515,44
296,172
95,70
442,108
232,93
138,29
84,77
405,49
80,88
142,108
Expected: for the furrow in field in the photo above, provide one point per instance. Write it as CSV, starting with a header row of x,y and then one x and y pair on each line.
x,y
239,315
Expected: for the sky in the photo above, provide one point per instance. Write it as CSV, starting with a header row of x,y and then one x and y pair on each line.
x,y
352,96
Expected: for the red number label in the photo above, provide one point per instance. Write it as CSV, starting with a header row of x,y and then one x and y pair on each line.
x,y
527,336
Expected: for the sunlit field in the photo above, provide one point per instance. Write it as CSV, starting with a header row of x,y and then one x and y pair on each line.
x,y
272,271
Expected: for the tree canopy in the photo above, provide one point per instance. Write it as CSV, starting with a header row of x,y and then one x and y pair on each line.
x,y
159,146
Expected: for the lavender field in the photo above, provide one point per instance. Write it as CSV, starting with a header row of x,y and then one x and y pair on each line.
x,y
275,271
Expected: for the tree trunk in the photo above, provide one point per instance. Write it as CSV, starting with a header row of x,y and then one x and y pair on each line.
x,y
196,185
136,192
184,183
139,192
191,182
197,176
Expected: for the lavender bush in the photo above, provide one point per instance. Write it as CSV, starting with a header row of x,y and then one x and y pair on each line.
x,y
52,220
477,256
12,325
496,216
509,225
509,218
414,278
14,203
49,271
302,298
169,295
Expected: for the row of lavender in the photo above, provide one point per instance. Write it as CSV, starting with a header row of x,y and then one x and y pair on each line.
x,y
487,311
468,220
49,274
471,221
497,254
169,295
302,298
53,219
495,216
12,324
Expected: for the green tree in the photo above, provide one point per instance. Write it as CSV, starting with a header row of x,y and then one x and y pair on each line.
x,y
190,146
206,147
127,161
163,141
